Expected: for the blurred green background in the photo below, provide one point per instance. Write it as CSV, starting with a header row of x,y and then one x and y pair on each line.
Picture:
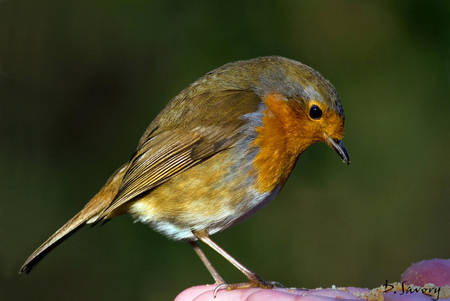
x,y
81,80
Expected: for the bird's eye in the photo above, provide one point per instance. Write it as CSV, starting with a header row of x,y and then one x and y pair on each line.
x,y
315,112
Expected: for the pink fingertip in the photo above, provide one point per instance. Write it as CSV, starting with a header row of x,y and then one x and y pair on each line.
x,y
436,271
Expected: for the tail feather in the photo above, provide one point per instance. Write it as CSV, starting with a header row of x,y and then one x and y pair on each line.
x,y
58,237
86,216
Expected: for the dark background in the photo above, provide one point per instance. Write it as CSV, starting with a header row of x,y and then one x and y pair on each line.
x,y
81,80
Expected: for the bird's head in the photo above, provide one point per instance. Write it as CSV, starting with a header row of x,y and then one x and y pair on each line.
x,y
303,102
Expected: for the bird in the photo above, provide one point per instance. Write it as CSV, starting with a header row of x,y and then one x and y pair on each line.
x,y
217,153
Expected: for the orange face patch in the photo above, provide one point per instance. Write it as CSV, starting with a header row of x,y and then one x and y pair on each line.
x,y
285,133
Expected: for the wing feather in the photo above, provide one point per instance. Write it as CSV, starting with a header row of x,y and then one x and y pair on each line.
x,y
160,160
173,144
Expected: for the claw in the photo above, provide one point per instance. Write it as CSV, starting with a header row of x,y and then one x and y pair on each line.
x,y
223,285
276,284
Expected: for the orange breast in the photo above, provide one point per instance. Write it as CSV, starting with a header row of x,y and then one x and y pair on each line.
x,y
283,136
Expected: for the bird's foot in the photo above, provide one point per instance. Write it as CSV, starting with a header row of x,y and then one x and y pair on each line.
x,y
255,281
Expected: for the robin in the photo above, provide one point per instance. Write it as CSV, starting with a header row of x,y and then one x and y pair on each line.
x,y
218,152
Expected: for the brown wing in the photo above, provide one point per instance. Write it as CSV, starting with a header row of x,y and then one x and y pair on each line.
x,y
171,146
183,134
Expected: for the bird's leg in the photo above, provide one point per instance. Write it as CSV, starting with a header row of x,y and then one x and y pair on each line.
x,y
254,280
207,263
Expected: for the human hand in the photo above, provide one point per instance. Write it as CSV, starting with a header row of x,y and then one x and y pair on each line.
x,y
436,271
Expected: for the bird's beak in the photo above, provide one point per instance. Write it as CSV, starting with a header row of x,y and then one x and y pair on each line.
x,y
339,147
